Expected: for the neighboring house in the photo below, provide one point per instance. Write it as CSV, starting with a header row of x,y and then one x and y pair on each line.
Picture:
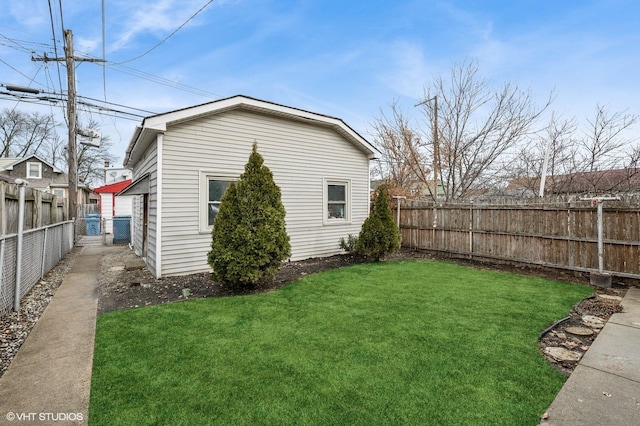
x,y
617,181
43,176
183,160
600,182
116,174
114,205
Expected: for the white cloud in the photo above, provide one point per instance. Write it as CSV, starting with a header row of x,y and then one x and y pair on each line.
x,y
158,18
407,68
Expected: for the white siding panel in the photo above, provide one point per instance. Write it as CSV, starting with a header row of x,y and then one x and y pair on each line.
x,y
124,205
300,155
106,210
148,165
136,224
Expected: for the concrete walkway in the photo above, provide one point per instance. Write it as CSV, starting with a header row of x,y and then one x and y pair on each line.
x,y
49,380
604,389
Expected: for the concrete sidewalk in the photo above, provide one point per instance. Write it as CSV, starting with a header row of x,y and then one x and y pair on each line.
x,y
49,380
604,389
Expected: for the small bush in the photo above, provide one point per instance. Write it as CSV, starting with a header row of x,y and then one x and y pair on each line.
x,y
350,244
379,234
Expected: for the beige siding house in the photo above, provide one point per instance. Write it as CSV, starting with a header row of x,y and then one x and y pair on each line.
x,y
183,160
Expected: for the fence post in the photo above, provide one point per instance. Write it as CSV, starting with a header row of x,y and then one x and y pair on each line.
x,y
471,230
22,187
2,244
44,253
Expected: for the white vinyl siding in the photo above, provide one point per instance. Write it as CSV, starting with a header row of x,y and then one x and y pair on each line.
x,y
136,224
106,210
124,205
301,156
148,164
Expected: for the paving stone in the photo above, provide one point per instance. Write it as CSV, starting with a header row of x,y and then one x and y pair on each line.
x,y
562,354
579,331
610,297
593,321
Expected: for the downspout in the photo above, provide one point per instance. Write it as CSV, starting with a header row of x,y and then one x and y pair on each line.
x,y
158,271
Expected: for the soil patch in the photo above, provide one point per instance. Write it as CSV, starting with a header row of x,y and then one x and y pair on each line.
x,y
576,332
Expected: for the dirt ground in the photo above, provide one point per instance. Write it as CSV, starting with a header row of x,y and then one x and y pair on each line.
x,y
123,286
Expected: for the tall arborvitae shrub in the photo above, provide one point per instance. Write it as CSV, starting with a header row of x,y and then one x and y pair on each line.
x,y
249,239
379,234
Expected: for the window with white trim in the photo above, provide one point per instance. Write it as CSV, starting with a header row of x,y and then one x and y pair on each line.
x,y
34,170
58,193
337,201
212,188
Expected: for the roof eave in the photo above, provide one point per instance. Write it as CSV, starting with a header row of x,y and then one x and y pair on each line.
x,y
151,126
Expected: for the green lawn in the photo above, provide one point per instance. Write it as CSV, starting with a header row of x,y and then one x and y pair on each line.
x,y
416,342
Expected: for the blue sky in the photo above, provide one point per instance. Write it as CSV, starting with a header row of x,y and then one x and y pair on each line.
x,y
343,58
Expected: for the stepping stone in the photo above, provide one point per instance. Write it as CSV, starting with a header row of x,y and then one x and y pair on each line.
x,y
610,298
562,354
134,265
579,331
593,321
569,344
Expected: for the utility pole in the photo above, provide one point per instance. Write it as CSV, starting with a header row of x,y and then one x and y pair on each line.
x,y
436,153
72,152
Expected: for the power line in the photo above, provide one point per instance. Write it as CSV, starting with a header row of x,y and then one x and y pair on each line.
x,y
104,55
20,44
169,36
163,81
56,97
55,44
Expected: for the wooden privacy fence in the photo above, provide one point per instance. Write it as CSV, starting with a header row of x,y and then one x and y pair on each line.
x,y
552,235
40,209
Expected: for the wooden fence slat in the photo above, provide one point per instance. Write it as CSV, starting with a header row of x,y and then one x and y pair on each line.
x,y
562,235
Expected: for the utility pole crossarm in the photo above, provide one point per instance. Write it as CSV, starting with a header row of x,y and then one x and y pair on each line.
x,y
75,58
72,153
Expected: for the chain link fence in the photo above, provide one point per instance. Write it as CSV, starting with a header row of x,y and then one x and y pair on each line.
x,y
42,248
97,230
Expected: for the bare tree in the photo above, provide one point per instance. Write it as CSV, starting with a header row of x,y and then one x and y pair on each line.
x,y
24,133
558,138
601,158
401,164
477,127
605,140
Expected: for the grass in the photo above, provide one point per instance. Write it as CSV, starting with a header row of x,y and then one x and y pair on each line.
x,y
415,342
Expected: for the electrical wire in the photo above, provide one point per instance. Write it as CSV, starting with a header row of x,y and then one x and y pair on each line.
x,y
31,79
163,81
169,36
55,97
104,55
55,44
20,44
